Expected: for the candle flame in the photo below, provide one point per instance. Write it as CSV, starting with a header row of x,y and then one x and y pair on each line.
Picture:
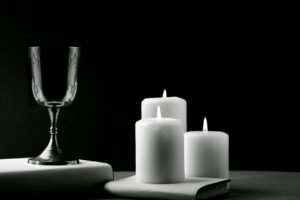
x,y
205,129
164,93
158,113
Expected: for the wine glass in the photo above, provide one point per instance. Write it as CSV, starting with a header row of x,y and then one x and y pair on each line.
x,y
54,85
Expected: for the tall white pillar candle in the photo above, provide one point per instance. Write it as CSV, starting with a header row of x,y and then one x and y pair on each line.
x,y
159,150
171,107
206,153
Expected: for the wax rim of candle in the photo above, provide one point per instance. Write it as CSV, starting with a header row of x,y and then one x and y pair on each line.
x,y
149,121
161,119
160,99
195,133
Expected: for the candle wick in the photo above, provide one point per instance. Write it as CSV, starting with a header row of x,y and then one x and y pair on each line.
x,y
205,127
165,93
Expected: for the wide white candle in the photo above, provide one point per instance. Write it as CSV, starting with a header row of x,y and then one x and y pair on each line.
x,y
171,107
159,150
206,153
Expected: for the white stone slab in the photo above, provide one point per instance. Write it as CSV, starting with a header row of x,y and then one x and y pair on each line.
x,y
16,175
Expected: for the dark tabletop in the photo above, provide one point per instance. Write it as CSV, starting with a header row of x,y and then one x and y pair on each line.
x,y
257,185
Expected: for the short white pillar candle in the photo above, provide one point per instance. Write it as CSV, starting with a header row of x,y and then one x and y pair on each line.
x,y
159,150
206,153
171,107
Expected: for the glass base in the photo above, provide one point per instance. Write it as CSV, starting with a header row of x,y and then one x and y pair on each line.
x,y
37,161
50,157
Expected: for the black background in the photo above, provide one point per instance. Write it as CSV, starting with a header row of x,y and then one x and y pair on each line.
x,y
233,64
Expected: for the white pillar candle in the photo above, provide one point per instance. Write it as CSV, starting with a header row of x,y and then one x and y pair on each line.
x,y
171,107
159,150
206,153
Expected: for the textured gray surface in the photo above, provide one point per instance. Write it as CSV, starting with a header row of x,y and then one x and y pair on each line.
x,y
257,185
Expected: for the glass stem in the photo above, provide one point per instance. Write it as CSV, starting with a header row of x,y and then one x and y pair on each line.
x,y
53,113
53,144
